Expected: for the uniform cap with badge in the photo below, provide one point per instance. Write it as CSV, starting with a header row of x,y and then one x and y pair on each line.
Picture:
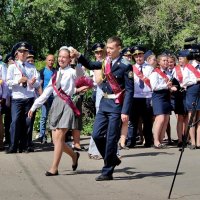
x,y
126,51
98,47
137,50
20,46
183,53
31,54
147,54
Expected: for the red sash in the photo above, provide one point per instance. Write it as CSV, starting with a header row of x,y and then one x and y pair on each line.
x,y
193,70
162,74
19,68
179,73
113,83
64,96
141,76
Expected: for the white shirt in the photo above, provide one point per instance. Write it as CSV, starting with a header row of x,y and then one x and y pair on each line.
x,y
3,71
3,86
158,82
188,77
146,91
67,83
14,75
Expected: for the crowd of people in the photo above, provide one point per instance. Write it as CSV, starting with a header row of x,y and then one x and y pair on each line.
x,y
134,90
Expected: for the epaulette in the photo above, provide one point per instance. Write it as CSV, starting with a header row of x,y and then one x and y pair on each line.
x,y
125,61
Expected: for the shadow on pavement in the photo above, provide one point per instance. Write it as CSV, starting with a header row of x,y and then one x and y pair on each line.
x,y
147,154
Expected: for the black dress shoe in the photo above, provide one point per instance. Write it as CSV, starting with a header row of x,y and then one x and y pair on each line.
x,y
20,150
29,150
147,145
117,162
9,151
51,174
104,178
74,167
2,148
79,149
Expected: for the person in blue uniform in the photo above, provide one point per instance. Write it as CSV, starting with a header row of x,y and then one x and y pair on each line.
x,y
112,109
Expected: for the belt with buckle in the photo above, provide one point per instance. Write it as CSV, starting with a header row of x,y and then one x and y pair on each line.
x,y
109,96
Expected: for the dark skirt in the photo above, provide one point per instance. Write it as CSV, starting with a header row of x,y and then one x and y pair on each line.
x,y
180,103
161,102
192,96
61,115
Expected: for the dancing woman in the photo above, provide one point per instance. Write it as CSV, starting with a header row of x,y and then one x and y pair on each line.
x,y
63,112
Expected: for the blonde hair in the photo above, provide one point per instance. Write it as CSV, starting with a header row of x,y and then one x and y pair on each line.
x,y
161,56
151,56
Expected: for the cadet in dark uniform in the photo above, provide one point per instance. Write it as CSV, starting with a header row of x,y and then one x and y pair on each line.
x,y
113,109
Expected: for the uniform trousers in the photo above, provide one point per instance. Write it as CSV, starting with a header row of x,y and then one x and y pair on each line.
x,y
106,134
21,125
141,108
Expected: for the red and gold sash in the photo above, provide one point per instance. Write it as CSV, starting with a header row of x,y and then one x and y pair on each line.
x,y
113,83
141,76
64,96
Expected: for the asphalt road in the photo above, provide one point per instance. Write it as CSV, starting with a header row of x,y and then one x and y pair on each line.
x,y
145,173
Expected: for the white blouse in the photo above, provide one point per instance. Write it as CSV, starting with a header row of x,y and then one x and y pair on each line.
x,y
158,82
188,77
67,83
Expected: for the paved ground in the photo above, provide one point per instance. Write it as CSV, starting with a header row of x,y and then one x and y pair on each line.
x,y
143,174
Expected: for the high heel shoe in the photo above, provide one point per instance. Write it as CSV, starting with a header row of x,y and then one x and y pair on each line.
x,y
51,174
74,167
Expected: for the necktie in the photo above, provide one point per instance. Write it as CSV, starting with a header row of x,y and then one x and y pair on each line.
x,y
141,83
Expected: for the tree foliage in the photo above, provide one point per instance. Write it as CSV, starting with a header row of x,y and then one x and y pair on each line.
x,y
48,24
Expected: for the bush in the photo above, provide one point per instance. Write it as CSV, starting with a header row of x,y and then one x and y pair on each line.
x,y
36,126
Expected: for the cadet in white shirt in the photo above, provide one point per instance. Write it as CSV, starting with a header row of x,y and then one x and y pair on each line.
x,y
189,77
161,84
22,78
141,106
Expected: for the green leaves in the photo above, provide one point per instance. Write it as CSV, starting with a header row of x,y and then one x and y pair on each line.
x,y
49,24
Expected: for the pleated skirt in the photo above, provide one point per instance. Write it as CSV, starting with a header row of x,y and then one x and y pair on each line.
x,y
61,115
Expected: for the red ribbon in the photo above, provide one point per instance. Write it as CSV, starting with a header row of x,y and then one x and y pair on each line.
x,y
65,97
